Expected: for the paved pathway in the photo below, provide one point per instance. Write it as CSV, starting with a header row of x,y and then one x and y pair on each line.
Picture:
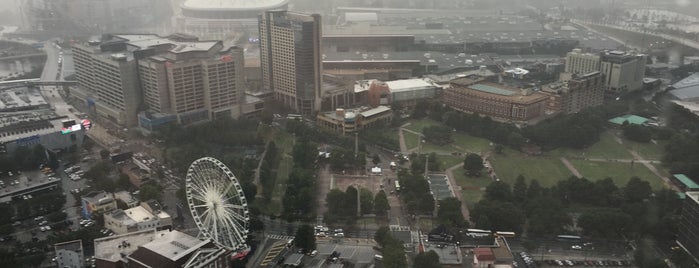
x,y
457,191
638,158
571,167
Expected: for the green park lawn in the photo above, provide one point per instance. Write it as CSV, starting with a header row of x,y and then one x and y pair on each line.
x,y
447,161
606,148
411,139
547,170
472,188
619,172
418,125
649,151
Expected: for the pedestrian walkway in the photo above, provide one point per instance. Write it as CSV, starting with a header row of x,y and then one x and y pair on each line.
x,y
273,252
571,168
280,237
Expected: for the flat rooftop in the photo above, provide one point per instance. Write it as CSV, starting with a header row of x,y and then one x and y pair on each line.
x,y
112,248
409,84
174,244
17,98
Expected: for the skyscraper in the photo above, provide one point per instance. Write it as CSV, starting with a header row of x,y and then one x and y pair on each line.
x,y
290,59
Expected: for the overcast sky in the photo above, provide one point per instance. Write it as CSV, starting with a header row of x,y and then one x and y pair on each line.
x,y
9,5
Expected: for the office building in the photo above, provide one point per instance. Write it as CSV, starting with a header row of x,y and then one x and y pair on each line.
x,y
688,230
291,60
576,94
69,254
578,62
150,81
623,71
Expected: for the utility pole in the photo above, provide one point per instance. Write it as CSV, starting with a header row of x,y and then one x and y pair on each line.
x,y
356,144
359,207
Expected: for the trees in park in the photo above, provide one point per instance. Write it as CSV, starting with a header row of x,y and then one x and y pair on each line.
x,y
305,238
449,213
438,134
636,133
473,164
415,193
391,248
428,259
381,205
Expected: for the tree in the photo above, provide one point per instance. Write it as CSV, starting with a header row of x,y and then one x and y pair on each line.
x,y
350,203
636,133
605,222
497,215
335,200
366,199
449,212
498,191
534,189
149,191
519,190
381,205
428,259
636,190
438,134
473,164
375,159
382,236
305,238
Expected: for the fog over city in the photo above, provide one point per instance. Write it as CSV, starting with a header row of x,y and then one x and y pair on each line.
x,y
349,133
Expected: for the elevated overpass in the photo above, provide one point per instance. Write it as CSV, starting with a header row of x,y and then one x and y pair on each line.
x,y
34,83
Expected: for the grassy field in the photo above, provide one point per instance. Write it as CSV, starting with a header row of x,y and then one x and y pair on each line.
x,y
471,143
619,172
649,151
447,161
472,188
418,125
411,139
547,170
606,148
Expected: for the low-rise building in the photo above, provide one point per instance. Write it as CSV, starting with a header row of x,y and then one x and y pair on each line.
x,y
70,254
502,103
347,121
685,183
100,202
143,217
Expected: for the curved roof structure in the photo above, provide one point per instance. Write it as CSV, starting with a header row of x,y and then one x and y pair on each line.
x,y
229,9
233,5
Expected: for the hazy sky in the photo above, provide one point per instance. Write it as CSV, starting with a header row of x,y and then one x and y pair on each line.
x,y
11,5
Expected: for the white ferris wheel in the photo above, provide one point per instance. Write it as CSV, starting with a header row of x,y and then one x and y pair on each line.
x,y
217,203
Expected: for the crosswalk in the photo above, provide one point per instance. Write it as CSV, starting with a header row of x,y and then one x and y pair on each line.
x,y
279,237
273,253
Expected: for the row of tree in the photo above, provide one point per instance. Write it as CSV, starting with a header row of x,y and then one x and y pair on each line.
x,y
342,206
299,198
415,193
605,209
